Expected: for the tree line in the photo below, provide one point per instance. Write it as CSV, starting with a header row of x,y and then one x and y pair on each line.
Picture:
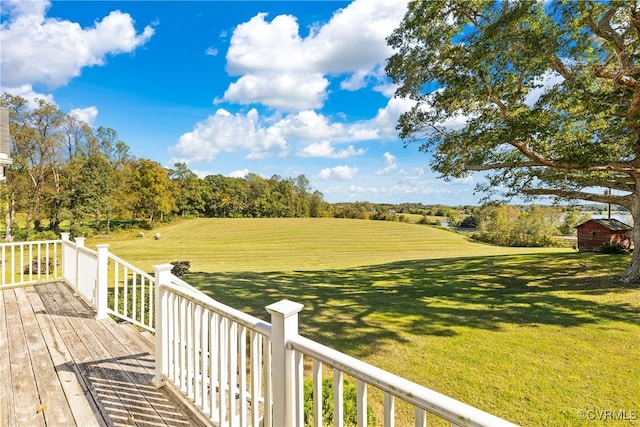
x,y
66,172
68,176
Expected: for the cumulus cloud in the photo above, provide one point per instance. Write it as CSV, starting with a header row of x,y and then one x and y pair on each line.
x,y
285,91
27,92
338,172
325,149
239,173
211,51
390,162
87,115
315,133
228,132
37,49
281,69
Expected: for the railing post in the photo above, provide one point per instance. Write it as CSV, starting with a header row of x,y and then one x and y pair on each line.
x,y
102,282
284,326
76,277
65,262
162,275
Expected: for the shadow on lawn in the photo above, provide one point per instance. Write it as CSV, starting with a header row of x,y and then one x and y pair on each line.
x,y
396,300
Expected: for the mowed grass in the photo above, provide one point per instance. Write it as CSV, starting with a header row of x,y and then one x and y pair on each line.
x,y
534,336
286,244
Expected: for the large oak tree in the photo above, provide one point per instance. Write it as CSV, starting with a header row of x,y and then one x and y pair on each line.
x,y
546,96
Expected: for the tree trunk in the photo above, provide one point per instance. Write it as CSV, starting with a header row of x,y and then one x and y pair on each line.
x,y
9,216
632,274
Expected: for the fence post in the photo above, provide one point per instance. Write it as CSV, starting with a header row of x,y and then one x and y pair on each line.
x,y
102,281
284,326
162,274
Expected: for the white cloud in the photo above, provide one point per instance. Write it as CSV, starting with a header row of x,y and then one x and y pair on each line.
x,y
284,91
338,172
547,80
390,162
386,119
87,115
239,173
26,91
228,132
36,49
325,149
281,69
16,8
267,135
211,51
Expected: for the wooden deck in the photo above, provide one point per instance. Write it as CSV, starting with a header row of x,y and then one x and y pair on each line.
x,y
61,367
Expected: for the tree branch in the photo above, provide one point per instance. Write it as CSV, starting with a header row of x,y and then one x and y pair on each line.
x,y
612,167
580,195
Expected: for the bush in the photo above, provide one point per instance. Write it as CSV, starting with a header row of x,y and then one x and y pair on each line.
x,y
613,248
350,404
44,235
79,230
469,222
180,268
40,266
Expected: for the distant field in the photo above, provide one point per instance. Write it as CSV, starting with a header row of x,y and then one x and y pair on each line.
x,y
531,335
285,244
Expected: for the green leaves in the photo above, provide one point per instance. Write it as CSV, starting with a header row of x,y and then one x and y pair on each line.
x,y
525,77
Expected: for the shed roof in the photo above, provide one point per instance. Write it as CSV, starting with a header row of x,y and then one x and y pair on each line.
x,y
611,224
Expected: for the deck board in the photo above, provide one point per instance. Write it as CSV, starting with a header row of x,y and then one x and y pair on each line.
x,y
66,368
7,409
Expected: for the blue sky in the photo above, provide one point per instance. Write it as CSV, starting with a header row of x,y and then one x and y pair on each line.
x,y
231,87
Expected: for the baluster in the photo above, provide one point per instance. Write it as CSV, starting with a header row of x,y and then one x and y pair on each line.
x,y
299,379
389,410
183,343
338,398
317,393
134,304
125,303
242,372
214,361
256,350
143,282
197,354
152,291
116,286
222,354
204,356
232,353
361,389
268,389
421,417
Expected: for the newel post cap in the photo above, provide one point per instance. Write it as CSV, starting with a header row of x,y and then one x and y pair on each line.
x,y
284,307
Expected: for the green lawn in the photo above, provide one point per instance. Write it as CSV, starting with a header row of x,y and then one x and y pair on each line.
x,y
534,336
284,244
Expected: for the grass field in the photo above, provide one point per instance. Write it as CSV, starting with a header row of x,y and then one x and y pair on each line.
x,y
531,335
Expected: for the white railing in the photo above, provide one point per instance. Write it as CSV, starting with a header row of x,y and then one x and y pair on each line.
x,y
392,387
235,369
218,357
212,353
26,263
130,293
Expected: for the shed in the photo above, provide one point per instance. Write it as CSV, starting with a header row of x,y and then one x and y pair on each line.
x,y
593,233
